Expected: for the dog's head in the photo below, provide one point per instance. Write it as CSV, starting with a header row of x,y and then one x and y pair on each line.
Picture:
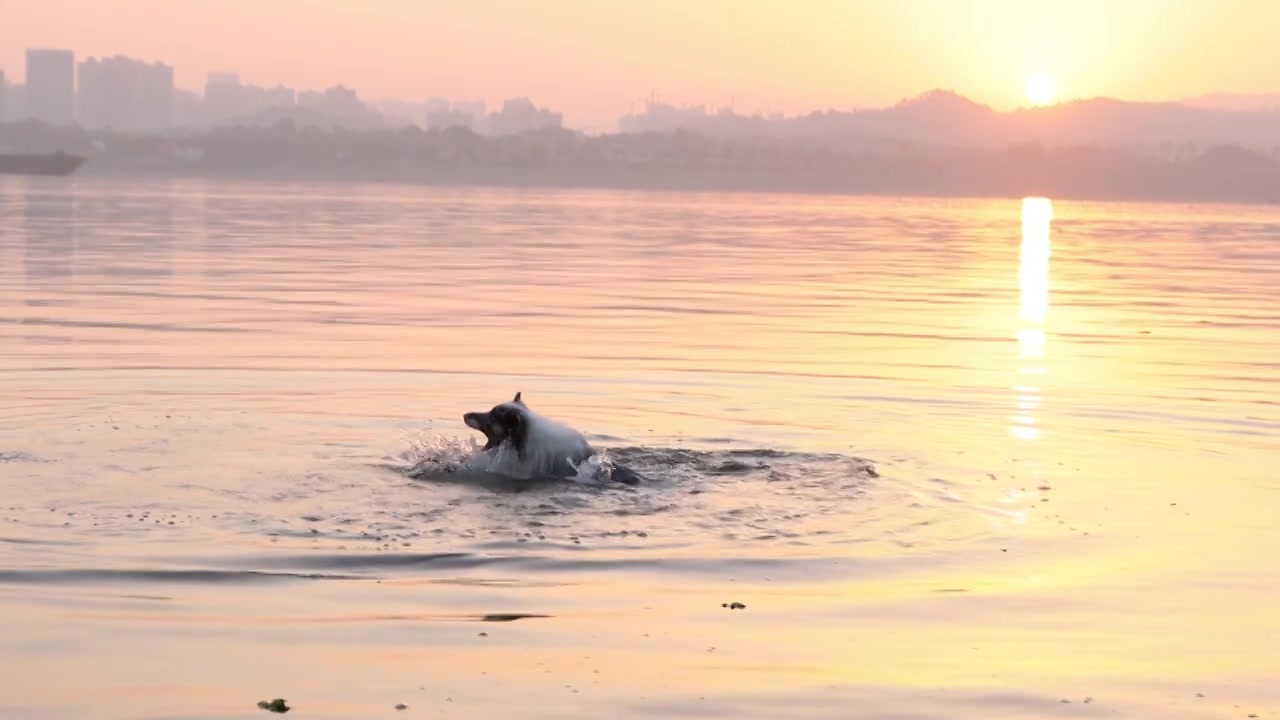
x,y
507,422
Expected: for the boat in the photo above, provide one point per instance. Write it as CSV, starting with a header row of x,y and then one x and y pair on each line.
x,y
51,164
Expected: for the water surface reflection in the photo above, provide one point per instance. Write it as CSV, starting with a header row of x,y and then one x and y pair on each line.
x,y
1033,283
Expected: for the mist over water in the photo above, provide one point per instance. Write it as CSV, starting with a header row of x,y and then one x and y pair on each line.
x,y
957,458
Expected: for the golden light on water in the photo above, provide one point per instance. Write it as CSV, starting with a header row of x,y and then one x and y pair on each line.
x,y
1033,266
1033,285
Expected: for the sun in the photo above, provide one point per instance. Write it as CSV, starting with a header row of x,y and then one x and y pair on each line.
x,y
1041,89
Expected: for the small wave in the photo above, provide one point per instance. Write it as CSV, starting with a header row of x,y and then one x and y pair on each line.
x,y
555,563
735,461
437,568
30,541
76,576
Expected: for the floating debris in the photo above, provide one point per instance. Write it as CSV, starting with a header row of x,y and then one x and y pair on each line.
x,y
402,706
276,706
733,606
509,617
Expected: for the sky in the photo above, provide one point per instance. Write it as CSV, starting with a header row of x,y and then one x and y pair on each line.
x,y
596,59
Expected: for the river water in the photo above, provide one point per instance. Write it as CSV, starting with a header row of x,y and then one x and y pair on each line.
x,y
968,459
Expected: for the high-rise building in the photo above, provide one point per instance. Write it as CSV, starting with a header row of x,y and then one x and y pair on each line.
x,y
342,105
442,114
188,108
223,96
281,97
521,115
226,100
126,95
15,102
156,97
474,107
4,93
222,78
51,86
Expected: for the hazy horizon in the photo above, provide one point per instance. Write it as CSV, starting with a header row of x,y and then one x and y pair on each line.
x,y
594,61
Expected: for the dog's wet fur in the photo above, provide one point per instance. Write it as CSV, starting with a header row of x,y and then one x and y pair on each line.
x,y
530,446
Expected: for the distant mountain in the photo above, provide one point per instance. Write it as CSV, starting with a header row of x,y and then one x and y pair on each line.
x,y
941,117
1107,121
1236,101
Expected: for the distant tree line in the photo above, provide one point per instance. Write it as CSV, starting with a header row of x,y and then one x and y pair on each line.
x,y
678,160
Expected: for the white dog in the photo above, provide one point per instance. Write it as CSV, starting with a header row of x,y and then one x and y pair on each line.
x,y
526,445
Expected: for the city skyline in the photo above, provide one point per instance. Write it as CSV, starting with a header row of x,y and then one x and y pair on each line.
x,y
595,61
131,95
136,95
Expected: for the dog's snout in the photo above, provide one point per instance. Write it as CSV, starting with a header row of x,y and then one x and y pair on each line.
x,y
472,419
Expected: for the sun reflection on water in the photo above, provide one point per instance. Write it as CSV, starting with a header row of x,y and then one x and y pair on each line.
x,y
1033,282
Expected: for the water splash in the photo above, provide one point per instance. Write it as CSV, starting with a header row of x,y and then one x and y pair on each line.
x,y
434,451
437,456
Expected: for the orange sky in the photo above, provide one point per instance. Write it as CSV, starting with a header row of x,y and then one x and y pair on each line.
x,y
592,58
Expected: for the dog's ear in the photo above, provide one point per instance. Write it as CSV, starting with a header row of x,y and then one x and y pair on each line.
x,y
518,398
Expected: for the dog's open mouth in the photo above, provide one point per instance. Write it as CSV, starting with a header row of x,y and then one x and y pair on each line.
x,y
481,421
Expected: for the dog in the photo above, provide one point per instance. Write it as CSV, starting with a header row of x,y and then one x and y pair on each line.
x,y
523,444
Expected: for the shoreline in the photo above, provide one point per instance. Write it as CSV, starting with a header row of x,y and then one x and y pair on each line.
x,y
492,179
